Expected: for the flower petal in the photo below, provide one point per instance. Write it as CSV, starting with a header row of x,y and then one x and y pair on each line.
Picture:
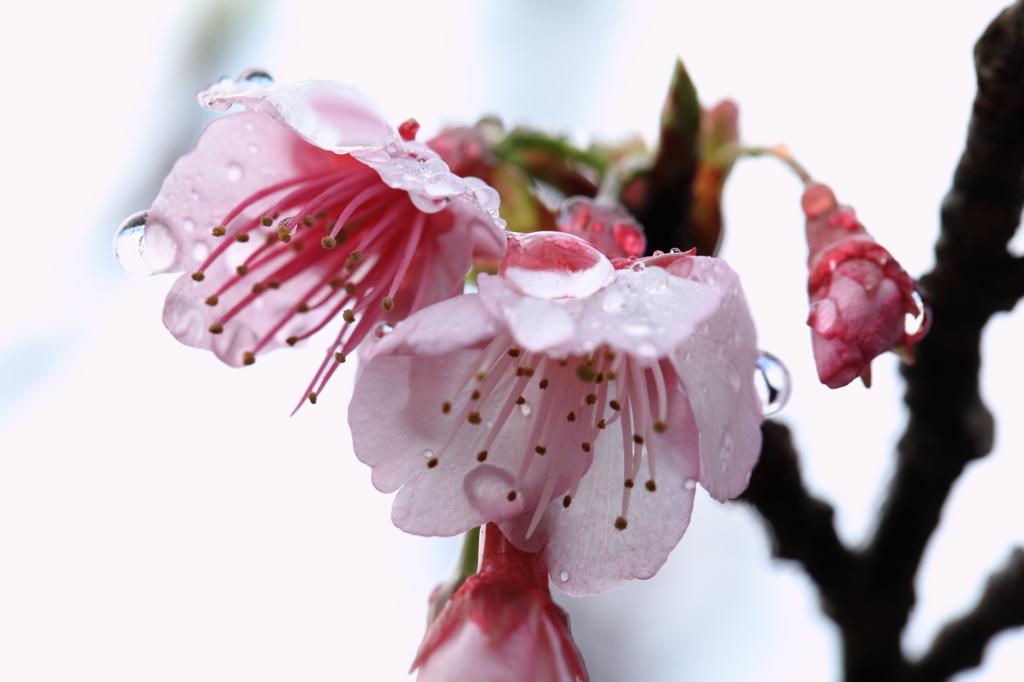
x,y
333,116
716,367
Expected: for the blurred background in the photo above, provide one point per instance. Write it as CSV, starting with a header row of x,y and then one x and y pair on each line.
x,y
161,516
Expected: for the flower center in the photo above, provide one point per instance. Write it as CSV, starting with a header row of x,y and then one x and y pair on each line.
x,y
364,243
579,398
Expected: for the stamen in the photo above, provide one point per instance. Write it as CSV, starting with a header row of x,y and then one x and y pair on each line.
x,y
340,357
212,300
629,483
348,316
387,304
481,456
242,237
292,340
248,358
661,424
266,221
216,328
432,462
312,397
621,523
328,242
650,485
219,231
198,275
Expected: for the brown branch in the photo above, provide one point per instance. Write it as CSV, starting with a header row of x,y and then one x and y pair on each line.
x,y
961,644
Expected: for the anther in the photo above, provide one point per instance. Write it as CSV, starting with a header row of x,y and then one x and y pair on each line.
x,y
387,304
356,256
609,355
340,357
660,426
302,308
481,456
475,395
638,439
432,462
309,221
600,378
273,284
541,450
270,239
241,237
520,400
248,358
621,523
312,397
266,221
591,399
219,231
480,375
528,371
292,340
566,501
331,224
328,242
585,373
336,283
216,328
350,264
601,424
296,246
563,362
321,215
474,418
651,485
629,483
571,417
212,300
446,407
198,275
543,384
514,352
614,404
612,375
258,288
350,289
586,447
287,238
511,496
348,315
242,270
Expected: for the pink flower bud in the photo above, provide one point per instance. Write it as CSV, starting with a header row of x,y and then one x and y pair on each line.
x,y
501,625
860,296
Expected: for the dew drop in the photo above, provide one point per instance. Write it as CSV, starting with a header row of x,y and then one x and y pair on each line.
x,y
256,75
638,266
234,172
773,383
916,325
188,224
254,149
143,247
564,576
382,330
525,409
427,454
689,484
551,265
200,251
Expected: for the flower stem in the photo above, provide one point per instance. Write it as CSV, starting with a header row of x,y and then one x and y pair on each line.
x,y
782,153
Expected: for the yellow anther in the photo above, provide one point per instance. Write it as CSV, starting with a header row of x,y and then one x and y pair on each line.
x,y
266,221
348,315
660,426
387,304
258,288
328,242
350,289
242,270
219,231
216,328
474,418
248,358
312,397
241,237
198,275
621,523
212,300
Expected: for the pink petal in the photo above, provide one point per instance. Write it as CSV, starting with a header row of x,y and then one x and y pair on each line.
x,y
453,325
716,367
585,553
331,115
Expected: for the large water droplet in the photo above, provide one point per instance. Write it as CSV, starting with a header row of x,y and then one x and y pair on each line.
x,y
427,454
773,384
142,247
256,75
689,484
382,330
525,409
916,325
234,172
606,225
552,265
564,575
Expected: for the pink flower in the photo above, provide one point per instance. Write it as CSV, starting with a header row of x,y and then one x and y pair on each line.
x,y
572,403
605,224
309,206
860,296
501,625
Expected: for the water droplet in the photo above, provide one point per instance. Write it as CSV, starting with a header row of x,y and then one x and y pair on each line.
x,y
193,195
143,247
200,251
564,576
658,253
427,454
525,409
552,265
234,172
638,266
676,251
254,149
256,75
773,383
613,301
916,325
188,224
689,484
382,330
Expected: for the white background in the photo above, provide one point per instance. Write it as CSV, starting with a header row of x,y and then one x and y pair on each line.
x,y
161,517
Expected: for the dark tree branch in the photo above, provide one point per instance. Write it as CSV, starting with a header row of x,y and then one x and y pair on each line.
x,y
960,644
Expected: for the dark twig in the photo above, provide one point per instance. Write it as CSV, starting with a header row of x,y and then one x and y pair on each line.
x,y
960,644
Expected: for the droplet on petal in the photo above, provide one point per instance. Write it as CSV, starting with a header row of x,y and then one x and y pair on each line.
x,y
142,247
916,324
552,265
817,200
773,383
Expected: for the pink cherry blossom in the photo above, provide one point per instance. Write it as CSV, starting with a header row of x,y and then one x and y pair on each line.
x,y
305,207
501,625
860,296
572,403
605,224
